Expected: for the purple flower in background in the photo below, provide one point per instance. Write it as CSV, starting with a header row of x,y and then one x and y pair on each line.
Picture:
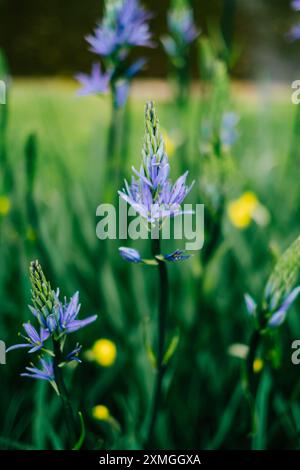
x,y
152,194
132,24
295,5
294,33
96,83
103,42
67,314
229,133
35,340
183,32
182,26
125,25
130,254
45,373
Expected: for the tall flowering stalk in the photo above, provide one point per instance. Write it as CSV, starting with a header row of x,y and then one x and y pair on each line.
x,y
279,294
177,44
152,195
55,320
124,27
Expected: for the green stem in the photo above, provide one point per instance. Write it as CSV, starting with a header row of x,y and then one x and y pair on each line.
x,y
251,383
114,145
67,407
162,323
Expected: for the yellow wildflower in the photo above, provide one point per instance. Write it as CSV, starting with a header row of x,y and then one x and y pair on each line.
x,y
5,205
258,365
241,210
101,413
169,144
104,352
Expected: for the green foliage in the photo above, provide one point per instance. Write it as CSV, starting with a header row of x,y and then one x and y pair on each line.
x,y
285,273
204,403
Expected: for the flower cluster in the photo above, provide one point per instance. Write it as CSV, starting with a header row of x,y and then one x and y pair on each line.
x,y
183,32
296,5
280,291
273,314
125,25
151,194
55,320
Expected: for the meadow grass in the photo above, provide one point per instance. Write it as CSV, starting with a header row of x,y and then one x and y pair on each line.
x,y
205,406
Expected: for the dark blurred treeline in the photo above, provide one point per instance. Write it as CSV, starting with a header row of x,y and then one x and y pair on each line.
x,y
47,37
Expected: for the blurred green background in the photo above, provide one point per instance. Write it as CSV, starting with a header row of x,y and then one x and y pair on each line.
x,y
53,177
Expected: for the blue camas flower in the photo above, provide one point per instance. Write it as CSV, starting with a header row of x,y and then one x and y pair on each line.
x,y
182,27
130,254
279,315
295,5
73,355
275,310
125,26
182,32
35,340
151,194
45,373
177,255
67,313
56,320
94,84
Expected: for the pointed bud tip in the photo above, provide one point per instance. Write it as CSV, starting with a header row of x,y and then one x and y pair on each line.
x,y
34,266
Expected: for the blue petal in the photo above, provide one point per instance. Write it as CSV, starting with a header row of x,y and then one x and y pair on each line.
x,y
130,254
17,346
250,304
135,67
52,322
78,324
176,256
